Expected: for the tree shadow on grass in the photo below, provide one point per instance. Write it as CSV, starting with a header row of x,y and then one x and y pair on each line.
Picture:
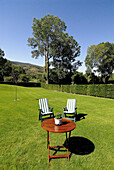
x,y
79,145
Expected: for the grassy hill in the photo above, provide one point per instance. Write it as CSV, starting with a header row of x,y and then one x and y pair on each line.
x,y
33,72
29,68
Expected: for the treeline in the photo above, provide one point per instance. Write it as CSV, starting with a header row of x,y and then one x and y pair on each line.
x,y
15,73
78,78
23,73
60,50
50,40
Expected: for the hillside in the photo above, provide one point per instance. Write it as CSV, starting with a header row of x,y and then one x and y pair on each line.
x,y
29,68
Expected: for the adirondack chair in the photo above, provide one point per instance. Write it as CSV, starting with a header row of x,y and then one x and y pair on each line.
x,y
70,111
44,109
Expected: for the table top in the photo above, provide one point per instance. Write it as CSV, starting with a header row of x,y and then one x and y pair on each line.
x,y
67,125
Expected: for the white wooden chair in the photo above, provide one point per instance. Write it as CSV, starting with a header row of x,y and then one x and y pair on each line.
x,y
70,111
44,109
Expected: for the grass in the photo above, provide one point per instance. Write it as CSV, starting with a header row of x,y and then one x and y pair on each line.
x,y
23,141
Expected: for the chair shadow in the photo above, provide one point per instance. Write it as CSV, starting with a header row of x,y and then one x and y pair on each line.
x,y
80,116
45,118
79,145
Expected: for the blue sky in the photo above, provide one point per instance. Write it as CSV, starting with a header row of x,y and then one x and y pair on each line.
x,y
88,21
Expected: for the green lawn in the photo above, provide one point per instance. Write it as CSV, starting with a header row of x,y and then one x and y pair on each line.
x,y
23,141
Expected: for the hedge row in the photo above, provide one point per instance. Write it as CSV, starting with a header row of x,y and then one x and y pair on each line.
x,y
100,90
28,84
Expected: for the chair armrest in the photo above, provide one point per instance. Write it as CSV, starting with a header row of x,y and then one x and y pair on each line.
x,y
76,110
40,110
51,109
65,109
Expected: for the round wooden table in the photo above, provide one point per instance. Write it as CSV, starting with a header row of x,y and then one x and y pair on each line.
x,y
49,126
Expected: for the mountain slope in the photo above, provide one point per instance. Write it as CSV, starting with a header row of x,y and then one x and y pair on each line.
x,y
29,68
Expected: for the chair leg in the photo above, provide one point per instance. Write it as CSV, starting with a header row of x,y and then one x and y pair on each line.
x,y
40,116
63,115
52,115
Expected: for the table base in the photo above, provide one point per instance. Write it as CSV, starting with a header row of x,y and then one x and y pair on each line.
x,y
57,146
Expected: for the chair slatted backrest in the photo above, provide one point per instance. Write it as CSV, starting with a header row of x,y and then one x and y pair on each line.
x,y
71,105
43,104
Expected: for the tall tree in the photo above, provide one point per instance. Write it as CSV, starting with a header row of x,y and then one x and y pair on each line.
x,y
100,59
45,31
1,53
79,78
64,52
90,59
5,66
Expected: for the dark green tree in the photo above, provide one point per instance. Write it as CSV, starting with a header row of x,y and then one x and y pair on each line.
x,y
79,78
16,72
23,78
93,79
2,62
8,68
100,59
5,66
54,79
2,66
64,53
1,53
45,32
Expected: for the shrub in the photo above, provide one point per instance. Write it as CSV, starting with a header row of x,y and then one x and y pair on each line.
x,y
100,90
23,78
8,79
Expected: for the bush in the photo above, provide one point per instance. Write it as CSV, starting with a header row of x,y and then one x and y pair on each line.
x,y
8,79
100,90
79,78
23,78
1,77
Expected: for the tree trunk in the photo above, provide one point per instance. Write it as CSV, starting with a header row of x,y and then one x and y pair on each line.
x,y
45,64
47,69
45,60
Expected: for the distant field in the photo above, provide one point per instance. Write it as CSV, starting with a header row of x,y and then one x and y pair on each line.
x,y
23,141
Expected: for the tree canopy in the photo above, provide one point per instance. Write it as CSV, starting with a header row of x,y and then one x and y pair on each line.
x,y
51,41
10,72
64,53
45,31
3,64
1,53
100,59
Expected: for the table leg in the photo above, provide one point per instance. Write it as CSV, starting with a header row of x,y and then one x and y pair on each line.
x,y
69,136
57,156
67,143
48,142
66,135
47,138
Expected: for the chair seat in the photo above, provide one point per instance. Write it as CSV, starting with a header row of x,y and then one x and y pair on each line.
x,y
69,112
47,113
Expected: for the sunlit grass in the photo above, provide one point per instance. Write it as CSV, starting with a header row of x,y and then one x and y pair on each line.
x,y
23,141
